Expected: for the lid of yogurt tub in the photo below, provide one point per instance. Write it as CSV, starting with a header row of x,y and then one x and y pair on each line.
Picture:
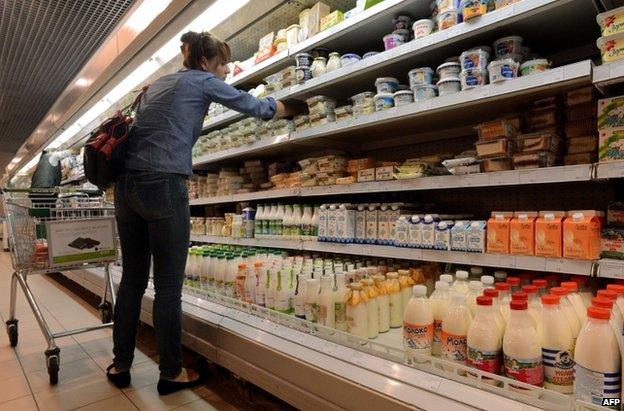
x,y
417,86
601,302
383,95
364,94
454,59
386,80
370,54
535,61
518,305
350,56
404,93
598,313
419,69
448,64
449,80
422,21
401,31
387,36
550,299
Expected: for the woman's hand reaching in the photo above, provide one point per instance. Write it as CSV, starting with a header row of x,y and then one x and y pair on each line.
x,y
290,109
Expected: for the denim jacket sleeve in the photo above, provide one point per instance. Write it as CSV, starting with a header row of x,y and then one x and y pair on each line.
x,y
218,91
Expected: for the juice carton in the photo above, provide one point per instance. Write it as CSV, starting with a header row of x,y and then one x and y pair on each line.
x,y
522,233
383,224
476,237
459,236
498,232
549,234
581,235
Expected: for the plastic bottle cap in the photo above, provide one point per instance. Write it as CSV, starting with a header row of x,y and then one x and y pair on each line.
x,y
476,270
502,286
611,295
419,290
571,286
461,274
487,279
475,285
490,292
602,302
580,280
519,296
484,300
441,285
518,305
599,313
442,225
513,280
529,289
540,283
550,299
428,218
242,266
618,288
448,278
500,274
560,291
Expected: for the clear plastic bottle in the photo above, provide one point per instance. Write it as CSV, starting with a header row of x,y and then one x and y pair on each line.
x,y
396,301
535,304
577,301
439,300
260,282
557,347
533,313
282,292
475,290
568,310
514,282
476,273
306,222
357,311
259,228
461,282
619,290
541,285
455,325
368,287
584,289
616,318
448,278
384,303
300,295
295,223
279,220
241,279
230,276
418,325
272,221
250,286
504,298
315,223
500,276
496,309
312,299
341,293
406,283
484,340
287,222
327,308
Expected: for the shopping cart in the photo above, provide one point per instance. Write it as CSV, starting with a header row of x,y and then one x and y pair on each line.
x,y
55,230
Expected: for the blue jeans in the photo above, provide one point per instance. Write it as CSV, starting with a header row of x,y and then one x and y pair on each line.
x,y
153,220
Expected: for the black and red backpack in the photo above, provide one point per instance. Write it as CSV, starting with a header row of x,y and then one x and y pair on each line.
x,y
105,150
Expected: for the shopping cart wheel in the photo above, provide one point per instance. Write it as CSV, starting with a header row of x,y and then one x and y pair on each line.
x,y
106,312
11,327
52,359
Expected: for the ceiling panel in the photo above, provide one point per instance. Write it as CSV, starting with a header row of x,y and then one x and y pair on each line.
x,y
43,45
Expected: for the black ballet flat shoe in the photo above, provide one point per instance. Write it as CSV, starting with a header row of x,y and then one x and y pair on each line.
x,y
120,379
166,387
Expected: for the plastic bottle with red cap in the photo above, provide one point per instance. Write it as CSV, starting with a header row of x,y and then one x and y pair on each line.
x,y
440,300
576,300
504,298
514,282
455,329
557,346
619,289
568,310
498,315
542,286
418,325
616,318
584,288
597,359
522,347
485,340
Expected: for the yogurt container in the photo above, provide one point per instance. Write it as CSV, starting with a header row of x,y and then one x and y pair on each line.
x,y
501,70
303,73
424,92
392,40
423,28
534,66
403,97
364,99
449,70
348,59
404,33
473,8
611,47
446,5
474,58
473,78
611,22
499,4
384,101
370,54
402,22
422,75
449,18
449,85
304,59
386,85
508,45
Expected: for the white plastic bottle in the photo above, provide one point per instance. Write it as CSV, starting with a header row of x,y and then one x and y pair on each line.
x,y
327,316
383,300
475,290
439,300
259,221
522,348
287,222
295,222
557,347
300,295
504,298
418,325
541,285
406,282
260,283
312,299
496,309
272,221
368,287
250,286
535,304
515,284
341,293
306,222
616,318
568,310
576,300
597,359
455,325
282,292
396,303
357,311
487,281
279,221
619,290
447,278
484,340
461,282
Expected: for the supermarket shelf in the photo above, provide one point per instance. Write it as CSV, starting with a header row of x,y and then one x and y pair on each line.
x,y
608,74
73,179
261,70
611,169
610,268
256,147
555,265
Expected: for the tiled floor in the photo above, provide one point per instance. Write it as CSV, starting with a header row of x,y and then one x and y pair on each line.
x,y
82,381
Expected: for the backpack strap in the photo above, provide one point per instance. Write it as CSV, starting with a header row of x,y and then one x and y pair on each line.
x,y
137,100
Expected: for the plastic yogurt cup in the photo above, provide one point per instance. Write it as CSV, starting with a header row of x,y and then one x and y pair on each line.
x,y
473,78
534,66
474,58
386,85
304,59
473,8
363,99
508,45
404,33
450,85
303,73
449,70
421,75
501,70
424,92
403,97
392,40
384,101
370,54
449,18
349,58
423,28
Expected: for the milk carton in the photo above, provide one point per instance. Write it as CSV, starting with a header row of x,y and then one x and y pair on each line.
x,y
401,238
581,235
428,231
549,234
360,223
372,224
393,216
476,237
442,236
322,222
522,233
459,235
345,223
383,220
332,223
498,232
415,231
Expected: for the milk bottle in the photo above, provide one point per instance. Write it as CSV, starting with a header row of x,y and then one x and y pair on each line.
x,y
305,227
500,276
475,290
300,295
455,326
612,296
415,231
405,282
533,298
484,341
504,298
428,232
447,278
384,303
282,293
260,282
487,281
541,285
279,220
616,318
568,310
357,311
576,300
557,347
296,221
533,312
439,300
418,325
287,223
396,304
496,309
250,286
597,359
326,315
514,282
461,282
258,230
315,223
368,287
584,289
312,299
522,348
619,289
341,293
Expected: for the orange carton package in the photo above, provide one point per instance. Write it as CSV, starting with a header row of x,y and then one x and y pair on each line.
x,y
581,235
522,233
498,232
549,234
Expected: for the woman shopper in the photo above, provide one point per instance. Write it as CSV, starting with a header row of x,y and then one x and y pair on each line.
x,y
152,204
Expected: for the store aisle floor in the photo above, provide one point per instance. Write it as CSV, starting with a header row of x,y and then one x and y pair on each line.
x,y
82,381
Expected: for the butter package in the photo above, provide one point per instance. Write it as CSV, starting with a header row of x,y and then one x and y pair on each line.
x,y
612,243
331,19
367,174
384,173
372,229
611,144
317,12
610,112
522,233
549,234
498,232
581,235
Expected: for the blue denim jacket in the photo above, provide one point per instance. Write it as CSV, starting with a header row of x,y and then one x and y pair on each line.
x,y
170,118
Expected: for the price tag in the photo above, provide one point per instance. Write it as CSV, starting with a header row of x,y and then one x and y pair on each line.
x,y
611,269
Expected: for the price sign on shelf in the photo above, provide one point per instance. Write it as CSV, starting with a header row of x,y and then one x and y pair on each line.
x,y
611,269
